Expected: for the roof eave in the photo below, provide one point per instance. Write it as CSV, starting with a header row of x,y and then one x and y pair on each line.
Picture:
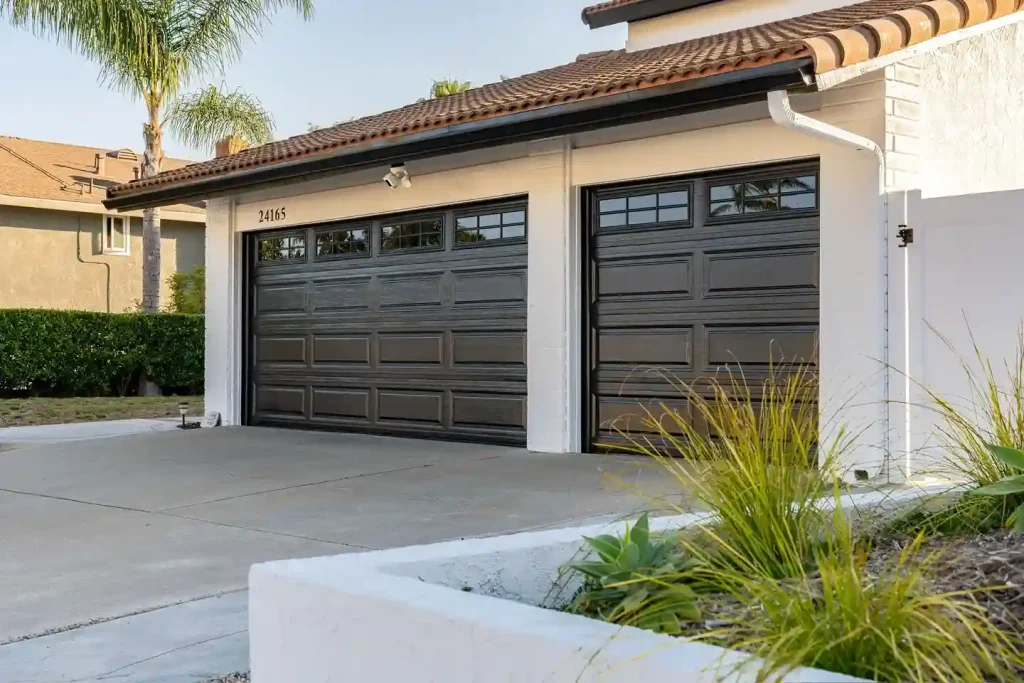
x,y
701,94
636,11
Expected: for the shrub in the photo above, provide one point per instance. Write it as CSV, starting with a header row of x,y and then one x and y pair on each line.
x,y
625,585
995,416
1011,486
77,353
836,616
937,516
749,457
188,291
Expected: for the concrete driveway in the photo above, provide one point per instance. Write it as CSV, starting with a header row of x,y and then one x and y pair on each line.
x,y
94,530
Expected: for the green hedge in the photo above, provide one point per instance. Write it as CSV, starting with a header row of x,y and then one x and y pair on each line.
x,y
75,353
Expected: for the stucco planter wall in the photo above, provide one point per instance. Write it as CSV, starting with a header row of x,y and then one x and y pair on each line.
x,y
466,611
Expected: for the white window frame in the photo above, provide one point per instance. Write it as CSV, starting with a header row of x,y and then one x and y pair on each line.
x,y
108,247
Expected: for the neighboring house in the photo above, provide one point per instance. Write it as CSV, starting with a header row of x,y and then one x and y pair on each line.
x,y
61,248
660,205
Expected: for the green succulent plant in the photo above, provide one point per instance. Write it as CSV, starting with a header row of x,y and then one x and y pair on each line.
x,y
1012,485
627,583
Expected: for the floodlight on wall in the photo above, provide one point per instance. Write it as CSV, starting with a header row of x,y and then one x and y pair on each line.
x,y
398,177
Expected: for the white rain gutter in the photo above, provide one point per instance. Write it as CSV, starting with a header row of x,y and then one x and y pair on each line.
x,y
783,114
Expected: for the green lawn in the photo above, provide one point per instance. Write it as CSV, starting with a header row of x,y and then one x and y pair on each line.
x,y
17,412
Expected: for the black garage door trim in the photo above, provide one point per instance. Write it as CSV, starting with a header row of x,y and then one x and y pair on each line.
x,y
427,330
664,232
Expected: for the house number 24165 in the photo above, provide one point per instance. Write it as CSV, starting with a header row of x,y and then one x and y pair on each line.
x,y
272,215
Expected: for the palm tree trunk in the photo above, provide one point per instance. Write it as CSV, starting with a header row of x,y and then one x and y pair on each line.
x,y
151,161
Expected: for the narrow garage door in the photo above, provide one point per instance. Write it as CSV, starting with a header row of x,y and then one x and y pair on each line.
x,y
410,325
694,276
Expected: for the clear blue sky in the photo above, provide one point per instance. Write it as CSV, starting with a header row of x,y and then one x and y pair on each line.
x,y
357,57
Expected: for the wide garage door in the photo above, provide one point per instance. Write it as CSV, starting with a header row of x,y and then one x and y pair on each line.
x,y
411,325
694,277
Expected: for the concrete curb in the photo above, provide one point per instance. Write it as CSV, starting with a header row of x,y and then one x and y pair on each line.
x,y
81,431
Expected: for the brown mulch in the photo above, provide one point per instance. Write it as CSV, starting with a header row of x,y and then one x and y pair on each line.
x,y
972,563
969,563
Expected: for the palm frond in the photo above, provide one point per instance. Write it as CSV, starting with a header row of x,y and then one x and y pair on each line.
x,y
207,35
119,34
202,118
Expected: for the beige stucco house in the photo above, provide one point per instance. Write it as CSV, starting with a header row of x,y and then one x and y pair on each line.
x,y
742,182
61,248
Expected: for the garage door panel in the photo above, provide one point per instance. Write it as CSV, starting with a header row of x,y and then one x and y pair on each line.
x,y
410,406
488,348
411,349
282,350
499,378
477,287
281,400
282,299
414,343
670,305
667,313
409,320
337,295
639,415
345,350
760,271
488,410
761,346
645,276
341,403
423,289
655,346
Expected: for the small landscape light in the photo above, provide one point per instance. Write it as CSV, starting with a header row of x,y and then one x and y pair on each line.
x,y
183,409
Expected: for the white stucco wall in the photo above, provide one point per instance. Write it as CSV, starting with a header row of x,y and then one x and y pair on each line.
x,y
955,141
965,287
851,331
973,115
717,18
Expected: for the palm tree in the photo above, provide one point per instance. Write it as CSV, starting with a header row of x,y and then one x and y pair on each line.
x,y
152,50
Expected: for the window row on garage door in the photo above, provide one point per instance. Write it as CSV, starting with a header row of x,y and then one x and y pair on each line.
x,y
415,324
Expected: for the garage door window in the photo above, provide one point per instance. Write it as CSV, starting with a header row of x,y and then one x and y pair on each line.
x,y
488,227
351,241
282,248
798,193
412,235
656,208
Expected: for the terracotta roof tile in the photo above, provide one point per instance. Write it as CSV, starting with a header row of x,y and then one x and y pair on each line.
x,y
53,170
834,38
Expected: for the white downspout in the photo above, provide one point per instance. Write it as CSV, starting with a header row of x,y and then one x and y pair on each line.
x,y
783,114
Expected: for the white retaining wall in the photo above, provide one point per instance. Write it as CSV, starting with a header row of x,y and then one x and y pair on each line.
x,y
403,615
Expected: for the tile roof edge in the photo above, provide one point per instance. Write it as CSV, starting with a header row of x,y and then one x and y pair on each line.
x,y
895,31
887,33
764,58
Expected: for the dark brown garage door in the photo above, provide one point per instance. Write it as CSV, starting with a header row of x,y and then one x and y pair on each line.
x,y
694,276
410,325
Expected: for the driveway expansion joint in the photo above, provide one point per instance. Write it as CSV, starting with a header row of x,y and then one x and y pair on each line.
x,y
105,620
